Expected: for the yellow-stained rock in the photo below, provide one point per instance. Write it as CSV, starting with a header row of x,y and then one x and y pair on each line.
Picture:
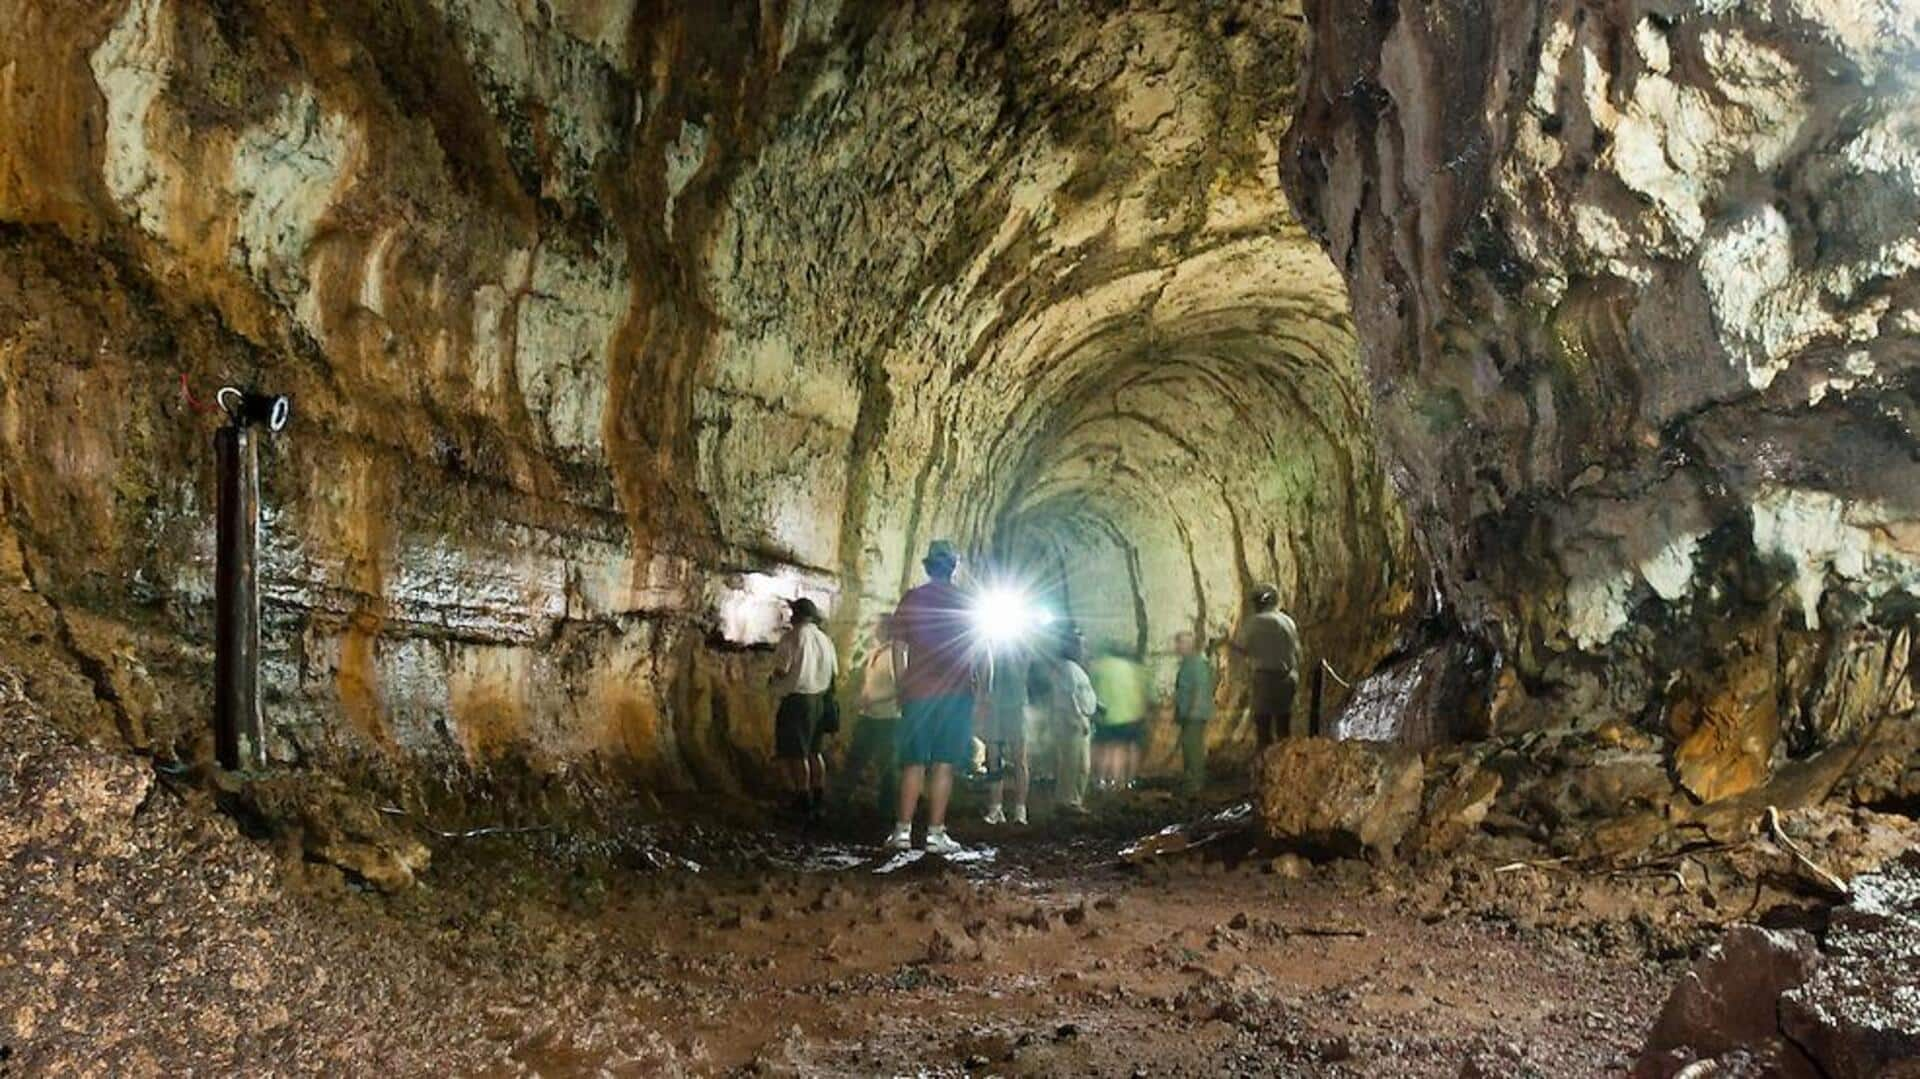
x,y
1734,731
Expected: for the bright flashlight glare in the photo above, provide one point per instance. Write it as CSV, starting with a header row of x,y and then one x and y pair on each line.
x,y
1004,615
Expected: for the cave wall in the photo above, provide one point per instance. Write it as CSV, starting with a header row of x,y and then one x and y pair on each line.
x,y
610,325
1637,287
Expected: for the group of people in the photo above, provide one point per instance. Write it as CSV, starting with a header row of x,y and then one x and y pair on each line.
x,y
935,700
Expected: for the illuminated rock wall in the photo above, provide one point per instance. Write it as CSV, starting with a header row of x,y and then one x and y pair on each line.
x,y
608,326
1638,293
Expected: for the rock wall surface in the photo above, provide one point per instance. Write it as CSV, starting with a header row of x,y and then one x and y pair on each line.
x,y
1637,287
610,324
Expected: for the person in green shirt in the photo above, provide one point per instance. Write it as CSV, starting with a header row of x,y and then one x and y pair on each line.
x,y
1121,687
1192,708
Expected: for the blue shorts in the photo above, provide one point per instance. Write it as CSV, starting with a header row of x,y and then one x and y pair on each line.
x,y
935,730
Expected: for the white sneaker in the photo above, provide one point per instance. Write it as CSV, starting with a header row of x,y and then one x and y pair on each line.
x,y
996,816
900,838
939,842
1019,815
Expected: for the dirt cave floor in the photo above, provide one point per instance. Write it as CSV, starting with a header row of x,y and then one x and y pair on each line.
x,y
165,940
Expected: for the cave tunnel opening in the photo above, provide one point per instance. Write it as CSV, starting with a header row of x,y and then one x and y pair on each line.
x,y
1553,361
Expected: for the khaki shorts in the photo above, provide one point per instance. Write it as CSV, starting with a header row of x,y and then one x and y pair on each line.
x,y
1006,726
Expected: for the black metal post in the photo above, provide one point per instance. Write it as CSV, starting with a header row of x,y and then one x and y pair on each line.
x,y
1318,693
239,734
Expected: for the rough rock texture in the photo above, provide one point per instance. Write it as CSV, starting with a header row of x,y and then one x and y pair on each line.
x,y
1859,1014
82,800
1763,999
610,325
329,824
1638,292
1729,1001
1324,796
1453,809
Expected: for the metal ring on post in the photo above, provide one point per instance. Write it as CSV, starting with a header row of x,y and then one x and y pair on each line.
x,y
249,409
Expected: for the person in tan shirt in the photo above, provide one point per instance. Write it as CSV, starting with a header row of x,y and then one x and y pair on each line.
x,y
874,732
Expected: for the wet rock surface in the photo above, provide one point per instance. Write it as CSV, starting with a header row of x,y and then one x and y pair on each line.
x,y
1859,1014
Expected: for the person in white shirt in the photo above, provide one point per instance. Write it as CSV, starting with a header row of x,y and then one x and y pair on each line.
x,y
803,673
1072,707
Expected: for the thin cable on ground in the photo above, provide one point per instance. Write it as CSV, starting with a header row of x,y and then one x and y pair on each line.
x,y
471,833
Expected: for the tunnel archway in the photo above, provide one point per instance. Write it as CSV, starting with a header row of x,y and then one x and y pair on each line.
x,y
1063,316
630,329
613,326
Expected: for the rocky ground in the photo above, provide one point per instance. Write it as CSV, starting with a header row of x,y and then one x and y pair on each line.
x,y
144,931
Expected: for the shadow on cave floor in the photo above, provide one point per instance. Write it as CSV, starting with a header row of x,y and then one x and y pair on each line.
x,y
1051,847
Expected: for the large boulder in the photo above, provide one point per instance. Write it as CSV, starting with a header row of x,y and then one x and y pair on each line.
x,y
1725,1004
330,823
1345,798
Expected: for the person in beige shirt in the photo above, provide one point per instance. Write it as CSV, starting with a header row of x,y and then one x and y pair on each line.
x,y
873,733
1072,705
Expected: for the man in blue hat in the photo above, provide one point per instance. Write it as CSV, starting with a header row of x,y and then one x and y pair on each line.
x,y
933,663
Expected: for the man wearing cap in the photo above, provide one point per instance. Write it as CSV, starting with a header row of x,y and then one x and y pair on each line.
x,y
1271,643
803,669
933,663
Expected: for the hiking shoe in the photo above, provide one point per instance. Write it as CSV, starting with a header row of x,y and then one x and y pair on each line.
x,y
939,842
996,816
1019,815
900,839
